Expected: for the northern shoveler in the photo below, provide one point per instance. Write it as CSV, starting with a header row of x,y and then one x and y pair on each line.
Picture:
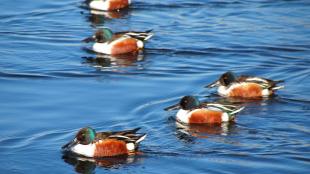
x,y
192,111
108,5
107,42
104,144
229,85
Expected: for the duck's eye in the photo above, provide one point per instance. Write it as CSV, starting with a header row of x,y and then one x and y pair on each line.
x,y
81,136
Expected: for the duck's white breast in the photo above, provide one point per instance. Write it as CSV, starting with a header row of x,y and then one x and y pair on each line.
x,y
85,150
222,90
104,48
182,116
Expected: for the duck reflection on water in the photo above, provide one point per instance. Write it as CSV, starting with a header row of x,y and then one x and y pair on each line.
x,y
122,60
86,165
188,131
97,14
98,18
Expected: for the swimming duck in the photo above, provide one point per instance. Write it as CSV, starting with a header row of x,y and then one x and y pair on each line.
x,y
192,111
229,85
107,42
88,143
108,5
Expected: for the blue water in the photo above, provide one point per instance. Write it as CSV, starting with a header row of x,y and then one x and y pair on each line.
x,y
52,85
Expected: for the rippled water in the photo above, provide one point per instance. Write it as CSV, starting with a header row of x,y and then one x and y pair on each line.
x,y
51,85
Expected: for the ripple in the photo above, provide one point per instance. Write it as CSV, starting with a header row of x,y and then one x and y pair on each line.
x,y
193,4
24,75
25,143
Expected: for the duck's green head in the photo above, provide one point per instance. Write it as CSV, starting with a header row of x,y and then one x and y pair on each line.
x,y
189,103
86,136
103,35
227,78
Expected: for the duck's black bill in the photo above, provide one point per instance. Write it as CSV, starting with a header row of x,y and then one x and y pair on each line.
x,y
89,39
70,144
173,107
213,84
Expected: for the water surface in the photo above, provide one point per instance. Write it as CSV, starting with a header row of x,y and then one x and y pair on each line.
x,y
52,85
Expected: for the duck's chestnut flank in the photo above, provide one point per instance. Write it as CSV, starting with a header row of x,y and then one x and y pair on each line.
x,y
110,147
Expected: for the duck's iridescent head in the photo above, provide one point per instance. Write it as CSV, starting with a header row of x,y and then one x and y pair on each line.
x,y
85,136
225,80
189,103
102,35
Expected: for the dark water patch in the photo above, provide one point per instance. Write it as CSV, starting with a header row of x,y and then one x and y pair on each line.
x,y
280,48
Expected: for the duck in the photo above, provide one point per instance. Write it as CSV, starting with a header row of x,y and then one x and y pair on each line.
x,y
244,86
107,42
108,5
89,143
192,111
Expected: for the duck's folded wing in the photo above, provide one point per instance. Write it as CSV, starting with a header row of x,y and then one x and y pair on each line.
x,y
129,138
104,135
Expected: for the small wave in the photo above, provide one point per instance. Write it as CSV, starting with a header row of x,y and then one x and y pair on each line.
x,y
25,75
176,5
19,143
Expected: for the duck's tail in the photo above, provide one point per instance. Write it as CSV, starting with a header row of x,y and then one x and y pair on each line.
x,y
236,111
274,84
277,88
141,138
